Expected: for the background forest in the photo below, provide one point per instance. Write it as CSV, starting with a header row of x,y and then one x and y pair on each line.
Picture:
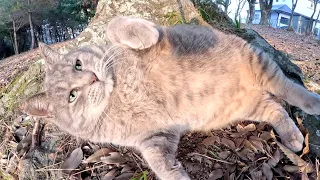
x,y
23,23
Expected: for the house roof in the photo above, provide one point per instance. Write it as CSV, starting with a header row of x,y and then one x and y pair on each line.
x,y
280,8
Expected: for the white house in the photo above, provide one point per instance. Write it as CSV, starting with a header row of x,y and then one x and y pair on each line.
x,y
280,15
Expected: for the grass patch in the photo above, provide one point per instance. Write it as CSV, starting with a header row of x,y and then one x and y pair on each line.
x,y
141,176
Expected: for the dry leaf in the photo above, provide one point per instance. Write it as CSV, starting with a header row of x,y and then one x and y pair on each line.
x,y
250,127
228,143
256,175
124,176
247,144
224,154
110,175
306,142
244,153
96,157
267,171
258,145
73,161
114,158
290,168
211,140
296,160
215,174
266,136
126,168
240,128
273,161
232,176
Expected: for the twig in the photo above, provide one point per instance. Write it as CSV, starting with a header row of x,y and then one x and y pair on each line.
x,y
49,166
136,160
89,169
35,134
219,160
56,169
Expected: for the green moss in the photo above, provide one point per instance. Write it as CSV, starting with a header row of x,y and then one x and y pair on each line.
x,y
5,176
174,18
317,91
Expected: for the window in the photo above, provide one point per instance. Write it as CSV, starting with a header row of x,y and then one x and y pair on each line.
x,y
315,32
284,20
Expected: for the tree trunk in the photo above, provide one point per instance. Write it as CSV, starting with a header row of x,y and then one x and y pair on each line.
x,y
264,17
31,27
265,6
251,10
31,30
315,24
294,5
310,25
16,50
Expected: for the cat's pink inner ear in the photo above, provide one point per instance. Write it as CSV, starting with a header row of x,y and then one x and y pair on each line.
x,y
36,105
50,55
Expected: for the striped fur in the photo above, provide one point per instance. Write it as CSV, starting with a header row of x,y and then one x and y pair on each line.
x,y
162,82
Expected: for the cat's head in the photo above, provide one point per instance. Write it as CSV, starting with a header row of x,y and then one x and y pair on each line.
x,y
77,86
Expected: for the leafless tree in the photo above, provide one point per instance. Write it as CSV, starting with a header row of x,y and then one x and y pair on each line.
x,y
251,10
294,5
310,25
265,7
225,4
240,5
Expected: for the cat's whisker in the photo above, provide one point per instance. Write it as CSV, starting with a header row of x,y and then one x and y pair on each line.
x,y
103,62
106,53
113,63
111,58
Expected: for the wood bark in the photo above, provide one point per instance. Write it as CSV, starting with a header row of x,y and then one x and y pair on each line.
x,y
315,24
310,25
16,50
294,5
265,8
31,27
251,10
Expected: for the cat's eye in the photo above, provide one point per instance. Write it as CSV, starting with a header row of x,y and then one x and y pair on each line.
x,y
73,96
78,65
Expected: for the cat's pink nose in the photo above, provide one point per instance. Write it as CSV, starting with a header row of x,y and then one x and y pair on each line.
x,y
94,78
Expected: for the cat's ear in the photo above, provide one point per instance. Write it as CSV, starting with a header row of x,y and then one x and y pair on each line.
x,y
132,32
37,105
50,55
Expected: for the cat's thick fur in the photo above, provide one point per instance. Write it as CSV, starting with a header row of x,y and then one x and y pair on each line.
x,y
162,82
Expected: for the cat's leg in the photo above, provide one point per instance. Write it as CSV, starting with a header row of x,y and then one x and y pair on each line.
x,y
273,113
159,151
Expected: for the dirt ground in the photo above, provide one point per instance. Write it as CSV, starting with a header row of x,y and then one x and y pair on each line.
x,y
242,151
303,50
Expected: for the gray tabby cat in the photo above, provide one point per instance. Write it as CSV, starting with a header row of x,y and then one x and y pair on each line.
x,y
157,83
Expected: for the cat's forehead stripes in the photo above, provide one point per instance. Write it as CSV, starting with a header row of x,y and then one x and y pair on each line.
x,y
93,51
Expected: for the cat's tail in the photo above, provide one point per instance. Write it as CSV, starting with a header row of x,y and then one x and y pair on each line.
x,y
272,78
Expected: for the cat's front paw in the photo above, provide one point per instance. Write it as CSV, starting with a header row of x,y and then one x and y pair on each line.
x,y
293,139
132,32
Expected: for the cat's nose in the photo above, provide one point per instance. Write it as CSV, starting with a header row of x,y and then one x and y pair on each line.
x,y
94,78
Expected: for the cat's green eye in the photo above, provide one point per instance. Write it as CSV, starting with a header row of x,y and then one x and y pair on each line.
x,y
73,96
78,65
